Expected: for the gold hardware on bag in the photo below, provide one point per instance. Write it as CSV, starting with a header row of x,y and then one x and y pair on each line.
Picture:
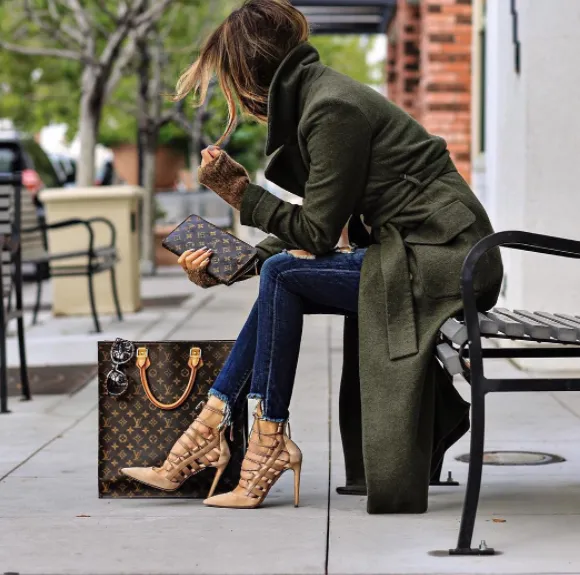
x,y
195,356
143,363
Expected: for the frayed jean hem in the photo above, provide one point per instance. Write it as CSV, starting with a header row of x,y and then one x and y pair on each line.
x,y
228,411
259,397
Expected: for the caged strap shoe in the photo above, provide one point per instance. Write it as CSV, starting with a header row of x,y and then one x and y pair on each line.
x,y
270,453
195,451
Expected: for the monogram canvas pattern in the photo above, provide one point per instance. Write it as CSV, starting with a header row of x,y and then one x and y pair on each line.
x,y
135,433
232,257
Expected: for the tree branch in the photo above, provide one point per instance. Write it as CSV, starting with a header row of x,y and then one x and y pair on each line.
x,y
166,118
80,15
48,52
103,7
125,23
151,15
59,25
121,64
36,17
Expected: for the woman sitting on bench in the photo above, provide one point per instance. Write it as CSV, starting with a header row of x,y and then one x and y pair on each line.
x,y
355,158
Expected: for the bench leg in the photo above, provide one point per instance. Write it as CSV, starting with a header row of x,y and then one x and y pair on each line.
x,y
3,368
473,480
93,303
436,478
116,294
37,302
26,395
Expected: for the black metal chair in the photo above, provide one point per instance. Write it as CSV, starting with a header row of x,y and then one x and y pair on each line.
x,y
460,351
11,282
99,259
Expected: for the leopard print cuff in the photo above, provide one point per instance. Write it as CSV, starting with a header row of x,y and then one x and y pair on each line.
x,y
201,278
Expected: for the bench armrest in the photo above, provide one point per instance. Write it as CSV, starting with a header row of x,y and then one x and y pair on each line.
x,y
517,240
87,223
109,224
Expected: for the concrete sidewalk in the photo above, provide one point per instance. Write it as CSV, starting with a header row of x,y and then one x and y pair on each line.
x,y
51,521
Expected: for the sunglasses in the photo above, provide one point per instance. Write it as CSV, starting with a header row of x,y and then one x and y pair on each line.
x,y
121,353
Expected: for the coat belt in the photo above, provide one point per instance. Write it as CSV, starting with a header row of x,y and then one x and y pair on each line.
x,y
401,324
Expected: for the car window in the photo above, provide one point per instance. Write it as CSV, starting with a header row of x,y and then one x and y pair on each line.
x,y
7,159
42,164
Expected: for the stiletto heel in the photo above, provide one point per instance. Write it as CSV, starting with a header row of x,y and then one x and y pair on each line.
x,y
297,470
216,479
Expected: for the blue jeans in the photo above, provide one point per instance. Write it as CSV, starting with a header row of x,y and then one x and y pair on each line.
x,y
262,364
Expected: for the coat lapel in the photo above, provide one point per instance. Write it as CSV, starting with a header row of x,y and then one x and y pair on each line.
x,y
290,85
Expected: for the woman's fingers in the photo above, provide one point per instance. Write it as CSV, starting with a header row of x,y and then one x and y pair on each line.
x,y
209,155
193,261
187,259
186,253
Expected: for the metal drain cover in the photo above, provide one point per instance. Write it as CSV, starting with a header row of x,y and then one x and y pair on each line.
x,y
515,458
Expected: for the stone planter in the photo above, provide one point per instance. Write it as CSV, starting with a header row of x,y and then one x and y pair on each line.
x,y
163,257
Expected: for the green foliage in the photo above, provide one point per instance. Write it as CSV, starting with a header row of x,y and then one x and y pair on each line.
x,y
348,55
37,91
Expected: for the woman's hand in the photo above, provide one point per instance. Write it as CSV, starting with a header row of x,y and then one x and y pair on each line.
x,y
194,263
224,176
209,155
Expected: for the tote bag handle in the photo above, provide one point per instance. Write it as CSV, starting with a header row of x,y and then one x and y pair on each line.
x,y
143,363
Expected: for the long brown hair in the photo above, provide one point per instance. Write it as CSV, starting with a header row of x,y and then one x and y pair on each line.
x,y
244,53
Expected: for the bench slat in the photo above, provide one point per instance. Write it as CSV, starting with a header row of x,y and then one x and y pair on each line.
x,y
557,330
561,321
488,325
507,325
456,331
449,357
569,318
533,328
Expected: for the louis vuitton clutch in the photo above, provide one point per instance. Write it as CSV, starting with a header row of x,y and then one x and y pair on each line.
x,y
232,258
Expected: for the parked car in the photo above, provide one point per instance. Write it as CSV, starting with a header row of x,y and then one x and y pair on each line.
x,y
20,153
107,176
66,169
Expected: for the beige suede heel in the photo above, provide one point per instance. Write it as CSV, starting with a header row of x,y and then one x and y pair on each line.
x,y
268,456
197,453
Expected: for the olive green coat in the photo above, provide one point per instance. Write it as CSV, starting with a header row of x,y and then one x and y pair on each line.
x,y
350,153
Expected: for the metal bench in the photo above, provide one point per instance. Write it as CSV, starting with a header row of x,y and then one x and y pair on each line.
x,y
88,261
460,352
11,282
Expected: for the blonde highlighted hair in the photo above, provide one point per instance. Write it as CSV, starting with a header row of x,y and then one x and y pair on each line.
x,y
244,53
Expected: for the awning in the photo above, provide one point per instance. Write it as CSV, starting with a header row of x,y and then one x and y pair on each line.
x,y
348,16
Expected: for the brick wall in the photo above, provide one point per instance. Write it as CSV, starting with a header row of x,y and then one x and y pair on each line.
x,y
429,70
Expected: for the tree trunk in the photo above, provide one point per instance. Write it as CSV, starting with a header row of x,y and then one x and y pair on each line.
x,y
149,177
196,137
90,117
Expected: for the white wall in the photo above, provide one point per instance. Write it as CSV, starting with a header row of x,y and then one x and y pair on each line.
x,y
533,143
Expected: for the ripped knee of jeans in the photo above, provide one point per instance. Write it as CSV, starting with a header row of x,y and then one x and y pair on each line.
x,y
301,254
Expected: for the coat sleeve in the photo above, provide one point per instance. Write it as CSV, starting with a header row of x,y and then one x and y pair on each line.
x,y
338,137
272,246
266,249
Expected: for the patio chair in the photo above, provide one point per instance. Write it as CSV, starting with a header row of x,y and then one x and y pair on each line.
x,y
460,351
88,261
11,282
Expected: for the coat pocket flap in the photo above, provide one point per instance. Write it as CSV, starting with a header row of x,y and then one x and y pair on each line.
x,y
444,225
